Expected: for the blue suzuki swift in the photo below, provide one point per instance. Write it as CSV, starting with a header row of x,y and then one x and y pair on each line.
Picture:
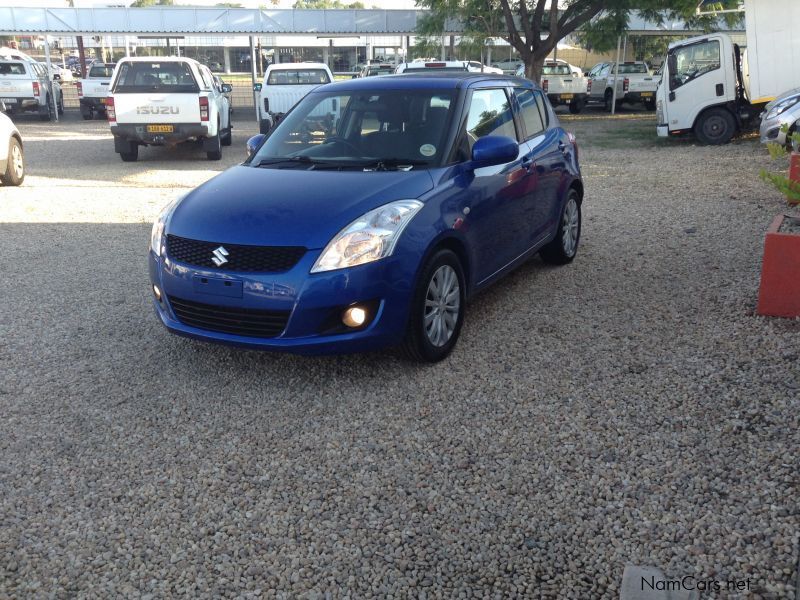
x,y
369,215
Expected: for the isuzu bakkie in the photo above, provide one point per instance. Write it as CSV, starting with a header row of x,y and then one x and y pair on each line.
x,y
166,101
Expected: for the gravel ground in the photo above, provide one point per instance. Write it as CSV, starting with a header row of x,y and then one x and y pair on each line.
x,y
627,409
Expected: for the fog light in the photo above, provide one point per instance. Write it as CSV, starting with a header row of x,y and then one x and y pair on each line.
x,y
355,316
157,292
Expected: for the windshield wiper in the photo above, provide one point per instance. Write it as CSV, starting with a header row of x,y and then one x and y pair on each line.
x,y
390,164
285,159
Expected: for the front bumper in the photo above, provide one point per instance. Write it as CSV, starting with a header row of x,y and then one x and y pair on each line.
x,y
313,302
139,133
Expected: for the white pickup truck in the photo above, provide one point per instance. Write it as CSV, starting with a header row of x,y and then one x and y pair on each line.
x,y
166,101
563,87
92,90
285,84
635,83
25,86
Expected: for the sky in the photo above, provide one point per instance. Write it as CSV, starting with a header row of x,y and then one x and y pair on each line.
x,y
397,4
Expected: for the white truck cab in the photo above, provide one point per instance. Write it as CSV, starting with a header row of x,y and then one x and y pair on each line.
x,y
713,88
284,85
165,101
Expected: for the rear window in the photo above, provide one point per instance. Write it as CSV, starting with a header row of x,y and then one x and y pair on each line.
x,y
169,77
298,77
101,71
387,70
632,68
556,70
12,69
433,67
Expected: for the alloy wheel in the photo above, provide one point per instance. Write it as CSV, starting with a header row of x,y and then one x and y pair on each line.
x,y
442,306
570,224
16,161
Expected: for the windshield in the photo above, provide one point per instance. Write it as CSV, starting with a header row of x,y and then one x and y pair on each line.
x,y
298,77
402,127
137,77
690,62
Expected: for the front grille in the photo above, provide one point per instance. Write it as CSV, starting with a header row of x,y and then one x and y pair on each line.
x,y
225,319
264,259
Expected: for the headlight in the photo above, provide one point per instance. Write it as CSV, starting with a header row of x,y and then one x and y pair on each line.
x,y
782,106
370,237
157,233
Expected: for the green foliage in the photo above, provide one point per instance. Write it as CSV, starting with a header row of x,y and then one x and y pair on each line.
x,y
145,3
790,189
322,4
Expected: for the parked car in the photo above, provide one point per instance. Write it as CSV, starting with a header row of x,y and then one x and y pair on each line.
x,y
58,73
166,101
93,91
284,85
25,86
374,70
577,71
12,157
473,66
780,119
635,83
564,87
416,66
426,191
509,67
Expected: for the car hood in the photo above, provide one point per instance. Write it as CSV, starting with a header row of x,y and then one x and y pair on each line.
x,y
287,207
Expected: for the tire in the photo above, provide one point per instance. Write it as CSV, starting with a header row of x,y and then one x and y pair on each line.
x,y
227,139
47,115
15,168
216,144
715,126
650,105
87,115
564,247
263,127
132,155
576,106
61,105
608,100
433,331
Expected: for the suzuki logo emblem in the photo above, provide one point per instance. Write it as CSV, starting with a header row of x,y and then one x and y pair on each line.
x,y
220,256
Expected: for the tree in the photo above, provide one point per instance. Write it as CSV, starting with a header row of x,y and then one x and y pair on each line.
x,y
320,4
534,27
145,3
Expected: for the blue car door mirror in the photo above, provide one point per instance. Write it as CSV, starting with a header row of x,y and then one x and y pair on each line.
x,y
493,150
253,143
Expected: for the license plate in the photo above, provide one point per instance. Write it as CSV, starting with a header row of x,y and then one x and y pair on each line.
x,y
9,100
160,129
102,100
566,96
647,94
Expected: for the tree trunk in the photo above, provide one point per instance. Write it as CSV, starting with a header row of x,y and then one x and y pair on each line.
x,y
82,56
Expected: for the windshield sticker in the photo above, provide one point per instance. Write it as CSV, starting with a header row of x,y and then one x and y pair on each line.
x,y
427,149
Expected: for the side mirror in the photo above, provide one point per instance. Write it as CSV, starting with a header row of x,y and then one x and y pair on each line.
x,y
672,66
227,88
257,87
493,150
253,143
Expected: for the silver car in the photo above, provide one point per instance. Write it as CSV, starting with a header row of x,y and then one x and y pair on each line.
x,y
780,118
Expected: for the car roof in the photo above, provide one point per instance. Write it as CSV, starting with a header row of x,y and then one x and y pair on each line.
x,y
421,80
158,59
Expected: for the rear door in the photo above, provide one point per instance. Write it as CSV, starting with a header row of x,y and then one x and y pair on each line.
x,y
546,164
156,92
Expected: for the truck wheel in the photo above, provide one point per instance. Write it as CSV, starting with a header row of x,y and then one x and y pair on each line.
x,y
61,105
216,144
131,155
576,106
608,100
264,126
650,105
715,126
227,139
87,115
47,113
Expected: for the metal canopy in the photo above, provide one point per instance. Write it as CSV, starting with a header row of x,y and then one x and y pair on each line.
x,y
198,21
166,20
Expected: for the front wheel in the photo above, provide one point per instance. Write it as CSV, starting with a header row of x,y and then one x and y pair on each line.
x,y
437,309
715,126
650,105
564,247
15,168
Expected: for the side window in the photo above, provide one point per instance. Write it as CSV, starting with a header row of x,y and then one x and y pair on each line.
x,y
543,104
529,111
205,75
693,61
490,114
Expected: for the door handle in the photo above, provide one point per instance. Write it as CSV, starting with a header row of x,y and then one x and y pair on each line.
x,y
527,162
563,147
